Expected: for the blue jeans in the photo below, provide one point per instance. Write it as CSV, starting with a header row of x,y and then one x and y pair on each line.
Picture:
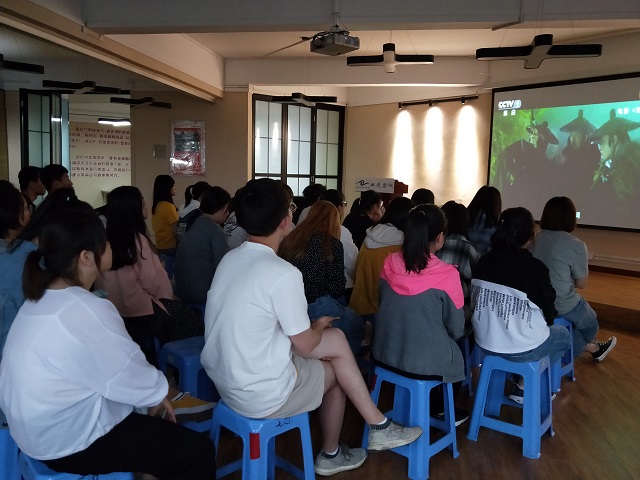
x,y
349,321
553,347
585,325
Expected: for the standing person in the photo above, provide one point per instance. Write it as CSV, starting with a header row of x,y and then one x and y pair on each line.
x,y
365,213
190,211
459,251
71,375
314,248
350,250
566,258
381,240
509,265
164,219
263,353
420,316
31,186
484,210
55,176
202,247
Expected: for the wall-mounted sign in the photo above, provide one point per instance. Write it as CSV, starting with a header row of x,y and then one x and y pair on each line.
x,y
380,185
187,148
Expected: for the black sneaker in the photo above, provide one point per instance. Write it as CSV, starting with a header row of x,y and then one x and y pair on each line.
x,y
517,394
462,416
605,348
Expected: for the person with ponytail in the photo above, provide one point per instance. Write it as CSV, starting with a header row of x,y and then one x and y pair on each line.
x,y
71,376
164,215
484,209
421,308
510,264
190,211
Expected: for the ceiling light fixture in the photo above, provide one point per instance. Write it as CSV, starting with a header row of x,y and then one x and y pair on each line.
x,y
389,59
72,88
116,122
140,102
434,101
20,66
297,98
540,49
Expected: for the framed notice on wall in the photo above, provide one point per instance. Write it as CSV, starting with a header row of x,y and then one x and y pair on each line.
x,y
187,148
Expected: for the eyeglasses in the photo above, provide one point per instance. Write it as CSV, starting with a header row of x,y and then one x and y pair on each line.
x,y
293,207
344,203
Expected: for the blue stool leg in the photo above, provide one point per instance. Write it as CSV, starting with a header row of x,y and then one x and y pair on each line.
x,y
495,392
451,417
418,451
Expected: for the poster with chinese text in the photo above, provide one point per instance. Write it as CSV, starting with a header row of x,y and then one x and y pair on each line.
x,y
187,148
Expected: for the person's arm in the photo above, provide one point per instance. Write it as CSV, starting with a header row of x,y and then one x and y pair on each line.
x,y
581,282
305,342
580,268
350,252
218,245
453,318
335,272
152,277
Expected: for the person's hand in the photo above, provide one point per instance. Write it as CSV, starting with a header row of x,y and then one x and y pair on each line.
x,y
323,322
163,410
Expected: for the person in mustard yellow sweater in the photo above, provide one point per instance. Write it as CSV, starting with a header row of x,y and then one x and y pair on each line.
x,y
381,240
164,215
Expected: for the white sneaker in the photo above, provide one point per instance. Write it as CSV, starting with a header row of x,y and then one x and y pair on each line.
x,y
392,436
346,459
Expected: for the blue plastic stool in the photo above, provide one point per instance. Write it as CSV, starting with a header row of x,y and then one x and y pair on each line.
x,y
536,415
32,469
563,367
468,363
259,459
185,356
9,467
411,407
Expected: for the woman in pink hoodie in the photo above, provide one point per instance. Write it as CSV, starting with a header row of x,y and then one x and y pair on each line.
x,y
421,316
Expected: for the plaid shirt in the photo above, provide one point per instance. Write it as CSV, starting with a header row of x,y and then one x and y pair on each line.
x,y
459,251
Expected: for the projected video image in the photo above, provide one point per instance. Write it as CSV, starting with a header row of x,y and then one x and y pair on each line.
x,y
590,153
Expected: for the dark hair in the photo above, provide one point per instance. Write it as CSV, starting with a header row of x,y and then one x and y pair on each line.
x,y
261,206
425,223
11,207
63,238
487,201
50,173
162,186
457,218
397,212
194,191
63,199
515,228
289,190
214,199
125,222
333,196
423,195
313,192
368,200
559,214
27,175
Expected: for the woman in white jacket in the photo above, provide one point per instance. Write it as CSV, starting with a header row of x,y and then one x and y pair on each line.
x,y
71,376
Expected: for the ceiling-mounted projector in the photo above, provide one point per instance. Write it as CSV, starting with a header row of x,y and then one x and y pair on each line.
x,y
334,43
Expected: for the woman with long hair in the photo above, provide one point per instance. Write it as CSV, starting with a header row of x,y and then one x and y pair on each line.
x,y
484,209
365,213
164,215
510,264
566,258
420,316
202,247
71,376
190,211
314,248
381,240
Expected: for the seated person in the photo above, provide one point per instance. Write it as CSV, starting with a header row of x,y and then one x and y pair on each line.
x,y
312,193
420,316
236,235
566,258
71,376
202,247
55,176
510,269
365,212
459,251
190,211
30,185
265,357
381,240
484,209
314,248
422,196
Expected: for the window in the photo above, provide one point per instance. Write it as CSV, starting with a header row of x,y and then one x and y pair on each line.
x,y
297,144
41,132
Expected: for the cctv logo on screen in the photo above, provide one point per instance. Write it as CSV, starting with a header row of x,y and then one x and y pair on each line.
x,y
509,104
